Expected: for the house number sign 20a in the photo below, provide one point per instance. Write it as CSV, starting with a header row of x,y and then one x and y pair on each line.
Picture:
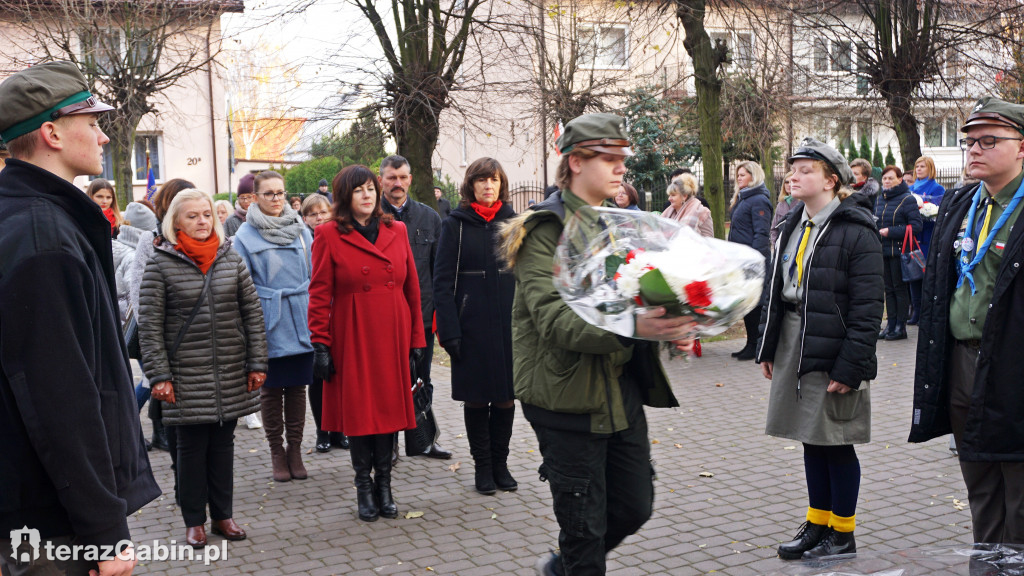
x,y
194,161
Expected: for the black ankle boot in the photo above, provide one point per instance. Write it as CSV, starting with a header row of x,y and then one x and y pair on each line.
x,y
362,460
748,353
806,538
382,476
832,543
478,431
501,435
340,440
323,441
897,333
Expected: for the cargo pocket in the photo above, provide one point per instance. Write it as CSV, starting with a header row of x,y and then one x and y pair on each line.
x,y
570,495
842,407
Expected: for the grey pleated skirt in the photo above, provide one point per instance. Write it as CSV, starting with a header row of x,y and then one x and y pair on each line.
x,y
811,414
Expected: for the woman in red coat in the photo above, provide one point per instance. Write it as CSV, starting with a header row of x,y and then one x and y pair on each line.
x,y
365,319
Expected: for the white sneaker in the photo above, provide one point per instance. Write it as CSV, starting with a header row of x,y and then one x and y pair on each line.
x,y
252,421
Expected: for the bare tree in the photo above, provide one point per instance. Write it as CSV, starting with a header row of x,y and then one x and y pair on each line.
x,y
130,52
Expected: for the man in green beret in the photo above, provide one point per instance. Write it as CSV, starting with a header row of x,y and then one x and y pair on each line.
x,y
972,324
582,388
73,465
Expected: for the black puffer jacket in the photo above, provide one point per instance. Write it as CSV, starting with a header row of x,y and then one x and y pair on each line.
x,y
209,371
895,209
843,297
994,430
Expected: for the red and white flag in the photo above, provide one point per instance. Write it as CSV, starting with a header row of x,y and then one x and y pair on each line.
x,y
558,133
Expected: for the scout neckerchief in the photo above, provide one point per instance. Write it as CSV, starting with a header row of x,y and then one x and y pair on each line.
x,y
966,264
798,263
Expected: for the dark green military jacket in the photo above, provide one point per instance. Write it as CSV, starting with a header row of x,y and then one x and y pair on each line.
x,y
566,371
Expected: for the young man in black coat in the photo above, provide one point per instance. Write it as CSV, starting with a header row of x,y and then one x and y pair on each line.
x,y
972,324
73,463
424,228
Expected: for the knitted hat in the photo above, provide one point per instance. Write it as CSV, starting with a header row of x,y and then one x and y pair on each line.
x,y
139,216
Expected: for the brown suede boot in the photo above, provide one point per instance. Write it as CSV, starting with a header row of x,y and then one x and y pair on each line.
x,y
271,404
294,423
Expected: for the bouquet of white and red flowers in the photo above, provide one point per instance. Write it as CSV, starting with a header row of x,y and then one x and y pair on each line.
x,y
929,211
612,264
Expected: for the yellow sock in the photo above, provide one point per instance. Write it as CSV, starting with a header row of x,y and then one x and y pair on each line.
x,y
819,517
840,524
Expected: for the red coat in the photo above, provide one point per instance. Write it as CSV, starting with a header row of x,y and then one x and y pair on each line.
x,y
364,303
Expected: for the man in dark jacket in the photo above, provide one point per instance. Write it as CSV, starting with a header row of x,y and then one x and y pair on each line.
x,y
324,189
972,323
444,207
73,463
424,227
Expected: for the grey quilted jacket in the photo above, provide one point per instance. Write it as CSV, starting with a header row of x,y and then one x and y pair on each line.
x,y
225,342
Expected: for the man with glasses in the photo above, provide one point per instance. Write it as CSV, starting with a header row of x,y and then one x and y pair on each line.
x,y
245,198
972,324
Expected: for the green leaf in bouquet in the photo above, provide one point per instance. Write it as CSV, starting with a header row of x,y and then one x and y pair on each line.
x,y
612,263
655,290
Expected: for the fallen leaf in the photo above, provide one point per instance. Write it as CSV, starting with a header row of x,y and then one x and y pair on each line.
x,y
894,364
493,516
413,514
530,451
310,451
655,441
706,475
701,545
789,448
670,429
719,385
253,451
459,435
429,569
455,466
678,445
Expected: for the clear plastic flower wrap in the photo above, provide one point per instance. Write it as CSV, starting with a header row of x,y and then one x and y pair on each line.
x,y
612,264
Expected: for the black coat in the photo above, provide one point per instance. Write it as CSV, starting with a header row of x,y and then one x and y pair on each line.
x,y
479,309
751,219
994,430
895,209
72,456
424,226
843,297
444,207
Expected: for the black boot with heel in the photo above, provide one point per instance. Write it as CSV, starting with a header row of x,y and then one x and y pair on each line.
x,y
478,431
501,435
362,450
382,475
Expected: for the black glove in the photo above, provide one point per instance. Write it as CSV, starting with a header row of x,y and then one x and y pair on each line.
x,y
323,366
416,354
454,348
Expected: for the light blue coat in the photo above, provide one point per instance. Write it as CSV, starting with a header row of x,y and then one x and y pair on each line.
x,y
281,275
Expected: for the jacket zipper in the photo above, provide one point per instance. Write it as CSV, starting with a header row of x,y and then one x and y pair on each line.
x,y
771,292
213,339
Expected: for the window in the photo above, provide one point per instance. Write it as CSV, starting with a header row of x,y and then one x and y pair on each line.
x,y
142,142
863,129
863,82
740,46
952,132
833,55
932,133
102,49
604,45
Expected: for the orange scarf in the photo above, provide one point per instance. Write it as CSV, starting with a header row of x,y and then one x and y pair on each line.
x,y
486,213
203,253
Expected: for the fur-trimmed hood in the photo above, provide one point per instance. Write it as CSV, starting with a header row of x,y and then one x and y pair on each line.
x,y
512,232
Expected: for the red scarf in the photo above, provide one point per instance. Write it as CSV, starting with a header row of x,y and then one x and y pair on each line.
x,y
109,213
203,253
486,213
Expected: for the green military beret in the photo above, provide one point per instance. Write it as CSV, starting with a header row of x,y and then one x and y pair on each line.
x,y
41,94
598,132
811,149
992,111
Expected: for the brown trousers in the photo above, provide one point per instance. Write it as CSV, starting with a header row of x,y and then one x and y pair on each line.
x,y
995,489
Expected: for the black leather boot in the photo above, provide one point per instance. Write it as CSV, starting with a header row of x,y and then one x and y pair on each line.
x,y
897,333
478,431
340,440
806,538
362,448
382,475
323,441
156,418
831,544
501,435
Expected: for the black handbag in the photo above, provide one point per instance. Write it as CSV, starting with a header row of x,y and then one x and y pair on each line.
x,y
131,335
912,262
419,439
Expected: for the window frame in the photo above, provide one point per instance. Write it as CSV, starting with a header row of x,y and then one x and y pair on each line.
x,y
158,154
597,28
737,60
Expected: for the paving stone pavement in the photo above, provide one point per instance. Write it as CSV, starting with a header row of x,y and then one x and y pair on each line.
x,y
729,523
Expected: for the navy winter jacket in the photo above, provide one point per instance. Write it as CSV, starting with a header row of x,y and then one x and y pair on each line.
x,y
895,209
751,220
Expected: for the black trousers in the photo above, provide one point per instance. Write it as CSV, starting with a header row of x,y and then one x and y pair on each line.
x,y
751,323
316,401
995,489
206,454
897,293
602,486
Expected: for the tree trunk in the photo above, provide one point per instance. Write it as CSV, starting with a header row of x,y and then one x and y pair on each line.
x,y
706,60
122,135
417,144
906,126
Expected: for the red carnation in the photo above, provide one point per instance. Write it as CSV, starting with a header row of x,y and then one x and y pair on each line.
x,y
698,294
633,254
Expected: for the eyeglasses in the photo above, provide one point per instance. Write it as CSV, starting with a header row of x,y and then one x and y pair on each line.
x,y
986,142
321,213
272,195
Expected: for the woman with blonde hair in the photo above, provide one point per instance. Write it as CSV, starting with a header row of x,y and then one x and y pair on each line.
x,y
823,304
782,208
102,193
750,225
684,207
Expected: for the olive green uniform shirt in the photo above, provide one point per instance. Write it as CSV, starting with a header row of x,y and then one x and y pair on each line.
x,y
793,292
967,311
